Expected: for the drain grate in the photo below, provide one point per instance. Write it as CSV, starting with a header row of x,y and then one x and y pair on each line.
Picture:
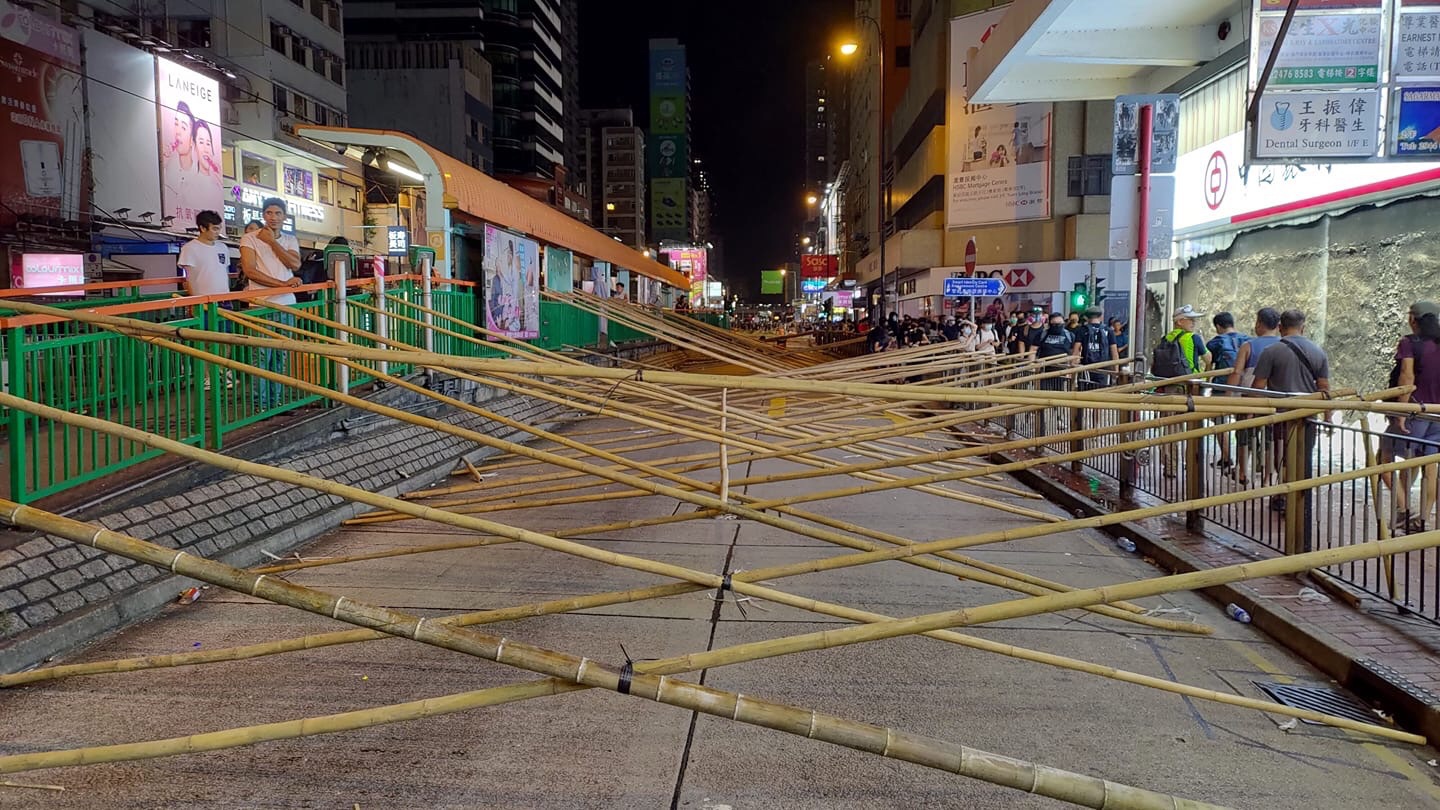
x,y
1318,699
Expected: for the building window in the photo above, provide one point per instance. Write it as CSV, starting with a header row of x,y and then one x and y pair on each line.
x,y
348,197
258,171
299,182
335,70
281,99
327,191
193,33
1088,175
227,161
279,35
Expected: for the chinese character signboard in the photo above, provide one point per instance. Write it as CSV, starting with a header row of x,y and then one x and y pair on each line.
x,y
1323,49
1417,45
1354,81
823,266
1318,123
397,240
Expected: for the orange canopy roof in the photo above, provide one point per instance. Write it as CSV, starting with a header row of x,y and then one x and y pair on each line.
x,y
481,196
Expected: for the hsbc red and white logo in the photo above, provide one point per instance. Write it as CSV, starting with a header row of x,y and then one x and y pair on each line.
x,y
1019,277
1217,180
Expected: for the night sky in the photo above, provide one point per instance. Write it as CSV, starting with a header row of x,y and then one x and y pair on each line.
x,y
747,69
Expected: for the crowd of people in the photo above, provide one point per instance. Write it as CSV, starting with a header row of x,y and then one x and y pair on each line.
x,y
1032,332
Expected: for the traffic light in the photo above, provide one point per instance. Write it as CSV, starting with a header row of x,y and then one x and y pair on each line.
x,y
1099,294
1080,296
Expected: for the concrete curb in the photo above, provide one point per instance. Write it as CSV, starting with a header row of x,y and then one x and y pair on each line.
x,y
1413,708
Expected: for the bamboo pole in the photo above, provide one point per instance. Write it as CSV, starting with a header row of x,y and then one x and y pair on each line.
x,y
890,743
892,392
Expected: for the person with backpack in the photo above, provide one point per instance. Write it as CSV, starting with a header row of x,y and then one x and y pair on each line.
x,y
1224,348
1417,363
1242,375
1054,341
1094,344
1181,352
1295,365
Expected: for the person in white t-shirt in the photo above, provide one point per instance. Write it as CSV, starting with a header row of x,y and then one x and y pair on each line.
x,y
206,263
205,259
269,259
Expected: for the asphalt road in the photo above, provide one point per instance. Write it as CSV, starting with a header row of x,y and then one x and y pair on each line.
x,y
606,750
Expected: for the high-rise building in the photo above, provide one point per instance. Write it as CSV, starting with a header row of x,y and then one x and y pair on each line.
x,y
669,150
523,43
868,105
435,52
612,160
522,126
457,117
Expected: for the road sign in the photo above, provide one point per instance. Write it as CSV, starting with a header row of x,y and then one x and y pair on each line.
x,y
1124,202
974,287
971,255
1164,137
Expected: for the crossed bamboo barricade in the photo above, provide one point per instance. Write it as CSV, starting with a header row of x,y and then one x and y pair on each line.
x,y
794,405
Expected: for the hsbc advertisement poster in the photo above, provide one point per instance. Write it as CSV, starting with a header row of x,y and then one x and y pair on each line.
x,y
190,172
1215,191
999,155
42,138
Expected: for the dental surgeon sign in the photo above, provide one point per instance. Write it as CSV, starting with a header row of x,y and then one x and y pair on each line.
x,y
1319,124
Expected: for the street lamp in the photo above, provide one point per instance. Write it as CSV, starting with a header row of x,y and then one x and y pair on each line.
x,y
811,199
850,49
805,241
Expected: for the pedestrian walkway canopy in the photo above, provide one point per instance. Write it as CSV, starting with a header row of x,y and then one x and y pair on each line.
x,y
1079,50
451,185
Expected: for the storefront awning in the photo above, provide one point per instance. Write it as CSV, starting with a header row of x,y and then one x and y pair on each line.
x,y
451,184
1079,50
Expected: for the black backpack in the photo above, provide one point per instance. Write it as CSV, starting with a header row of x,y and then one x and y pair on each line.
x,y
1168,359
1093,348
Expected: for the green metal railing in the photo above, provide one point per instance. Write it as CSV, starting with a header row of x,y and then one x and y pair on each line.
x,y
80,368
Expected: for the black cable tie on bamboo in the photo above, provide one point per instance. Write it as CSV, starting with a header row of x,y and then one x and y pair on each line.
x,y
639,375
727,584
627,672
1189,403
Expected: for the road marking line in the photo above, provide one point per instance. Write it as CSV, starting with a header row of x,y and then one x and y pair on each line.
x,y
1386,756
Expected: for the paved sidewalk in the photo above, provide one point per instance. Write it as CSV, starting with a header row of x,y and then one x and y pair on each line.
x,y
1349,633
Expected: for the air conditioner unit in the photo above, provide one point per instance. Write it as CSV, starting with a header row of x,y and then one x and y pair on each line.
x,y
232,116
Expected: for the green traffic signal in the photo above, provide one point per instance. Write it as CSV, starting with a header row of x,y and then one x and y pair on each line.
x,y
1079,296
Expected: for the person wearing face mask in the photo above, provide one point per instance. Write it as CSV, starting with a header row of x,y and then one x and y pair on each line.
x,y
968,339
950,330
986,340
1036,331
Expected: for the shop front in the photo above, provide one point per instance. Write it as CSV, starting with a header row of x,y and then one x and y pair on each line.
x,y
322,199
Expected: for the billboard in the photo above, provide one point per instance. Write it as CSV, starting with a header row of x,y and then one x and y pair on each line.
x,y
43,140
999,155
694,263
120,89
36,271
667,208
190,173
559,270
512,284
772,282
667,146
1417,132
819,266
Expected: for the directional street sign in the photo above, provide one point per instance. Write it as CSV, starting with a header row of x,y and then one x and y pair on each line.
x,y
973,287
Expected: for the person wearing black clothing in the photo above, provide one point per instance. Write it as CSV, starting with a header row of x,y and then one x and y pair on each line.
x,y
1093,344
1053,340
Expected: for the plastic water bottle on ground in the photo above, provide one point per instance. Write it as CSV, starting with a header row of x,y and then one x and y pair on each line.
x,y
1126,544
1237,613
